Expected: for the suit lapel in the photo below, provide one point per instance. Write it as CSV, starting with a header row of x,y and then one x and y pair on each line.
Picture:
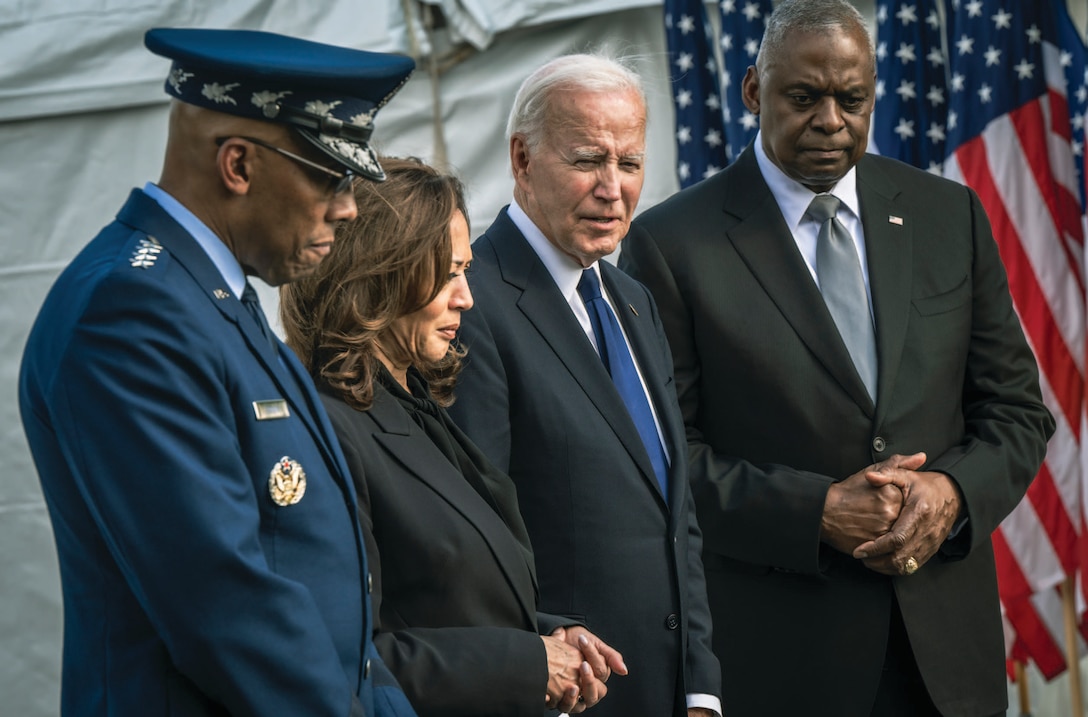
x,y
403,441
889,246
145,214
767,247
547,310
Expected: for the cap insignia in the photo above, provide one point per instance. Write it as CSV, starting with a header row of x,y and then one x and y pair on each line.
x,y
218,93
364,119
268,101
359,155
317,107
177,77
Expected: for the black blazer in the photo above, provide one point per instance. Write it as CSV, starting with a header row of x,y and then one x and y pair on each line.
x,y
775,412
537,399
454,592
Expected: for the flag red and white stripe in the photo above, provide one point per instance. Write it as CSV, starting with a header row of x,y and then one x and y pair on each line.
x,y
998,90
1011,140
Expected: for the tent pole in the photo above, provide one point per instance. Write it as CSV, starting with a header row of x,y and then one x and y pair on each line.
x,y
1022,688
1072,659
441,150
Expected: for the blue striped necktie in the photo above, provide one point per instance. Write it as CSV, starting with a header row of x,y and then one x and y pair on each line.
x,y
621,366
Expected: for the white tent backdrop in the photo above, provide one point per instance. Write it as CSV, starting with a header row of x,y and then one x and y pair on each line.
x,y
83,120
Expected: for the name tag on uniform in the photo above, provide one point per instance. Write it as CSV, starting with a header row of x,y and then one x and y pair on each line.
x,y
271,410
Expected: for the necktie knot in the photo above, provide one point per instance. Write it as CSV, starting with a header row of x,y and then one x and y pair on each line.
x,y
824,207
249,297
253,306
589,287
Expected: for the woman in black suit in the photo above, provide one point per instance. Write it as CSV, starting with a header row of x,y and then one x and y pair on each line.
x,y
454,586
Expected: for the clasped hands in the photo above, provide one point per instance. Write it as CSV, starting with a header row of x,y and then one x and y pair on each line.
x,y
579,663
890,512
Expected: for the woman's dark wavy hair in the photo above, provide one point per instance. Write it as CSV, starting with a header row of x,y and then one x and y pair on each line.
x,y
390,261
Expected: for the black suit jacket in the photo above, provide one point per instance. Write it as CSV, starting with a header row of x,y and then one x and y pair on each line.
x,y
454,592
775,412
537,399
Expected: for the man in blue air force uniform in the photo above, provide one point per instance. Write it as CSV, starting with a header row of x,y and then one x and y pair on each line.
x,y
210,554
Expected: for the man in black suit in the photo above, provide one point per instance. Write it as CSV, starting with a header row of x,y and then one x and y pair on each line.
x,y
867,589
607,505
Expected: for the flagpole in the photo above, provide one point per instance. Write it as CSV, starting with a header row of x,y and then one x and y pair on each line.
x,y
1072,660
1022,688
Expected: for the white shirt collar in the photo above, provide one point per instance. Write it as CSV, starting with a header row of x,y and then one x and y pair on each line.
x,y
564,270
793,197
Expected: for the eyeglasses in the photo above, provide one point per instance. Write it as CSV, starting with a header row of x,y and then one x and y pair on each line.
x,y
344,180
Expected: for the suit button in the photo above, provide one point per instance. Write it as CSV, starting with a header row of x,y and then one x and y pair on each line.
x,y
879,445
672,622
366,669
369,583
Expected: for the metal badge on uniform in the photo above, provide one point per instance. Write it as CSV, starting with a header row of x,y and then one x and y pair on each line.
x,y
287,482
271,409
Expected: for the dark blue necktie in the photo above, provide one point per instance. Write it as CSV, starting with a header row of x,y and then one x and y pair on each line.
x,y
617,358
253,306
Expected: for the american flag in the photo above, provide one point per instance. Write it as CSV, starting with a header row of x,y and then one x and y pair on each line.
x,y
741,32
1076,76
700,142
912,96
710,133
1009,124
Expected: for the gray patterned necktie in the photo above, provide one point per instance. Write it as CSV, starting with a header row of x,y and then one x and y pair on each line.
x,y
843,288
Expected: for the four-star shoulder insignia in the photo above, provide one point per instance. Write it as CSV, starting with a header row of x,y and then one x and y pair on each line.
x,y
146,253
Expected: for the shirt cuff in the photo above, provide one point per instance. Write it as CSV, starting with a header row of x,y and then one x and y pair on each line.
x,y
707,702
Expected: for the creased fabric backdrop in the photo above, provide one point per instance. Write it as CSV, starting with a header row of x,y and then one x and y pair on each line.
x,y
83,120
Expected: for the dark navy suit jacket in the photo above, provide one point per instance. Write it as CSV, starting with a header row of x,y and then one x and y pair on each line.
x,y
610,551
187,589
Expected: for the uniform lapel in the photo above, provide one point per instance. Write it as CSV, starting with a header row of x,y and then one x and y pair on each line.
x,y
766,245
547,310
144,213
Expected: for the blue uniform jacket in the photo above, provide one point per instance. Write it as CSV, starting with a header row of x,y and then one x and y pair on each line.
x,y
187,589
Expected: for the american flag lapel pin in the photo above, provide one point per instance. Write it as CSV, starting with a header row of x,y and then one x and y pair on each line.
x,y
897,221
